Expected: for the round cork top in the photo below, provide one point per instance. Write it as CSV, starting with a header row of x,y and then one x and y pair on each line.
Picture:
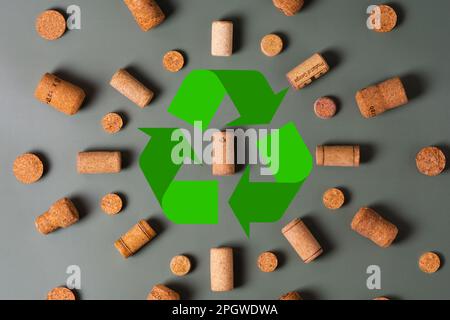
x,y
51,25
267,262
388,19
173,61
271,45
325,108
61,293
381,299
111,204
180,265
333,199
429,262
294,295
28,168
431,161
289,7
112,123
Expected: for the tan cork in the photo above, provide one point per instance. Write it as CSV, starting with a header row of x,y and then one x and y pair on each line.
x,y
325,108
222,272
338,156
291,296
333,199
61,95
267,262
431,161
100,162
137,237
429,262
111,204
173,61
61,294
131,88
147,13
50,25
112,123
381,299
222,38
377,99
388,19
180,265
306,72
62,214
223,155
302,240
28,168
161,292
371,225
271,45
289,7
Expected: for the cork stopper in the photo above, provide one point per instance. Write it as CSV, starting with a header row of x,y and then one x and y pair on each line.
x,y
173,61
222,38
223,155
302,240
271,45
136,238
180,265
371,225
112,123
289,7
429,262
333,199
338,156
431,161
50,25
100,162
62,214
291,296
267,262
111,204
61,95
147,13
131,88
307,71
325,108
161,292
28,168
388,19
222,273
61,294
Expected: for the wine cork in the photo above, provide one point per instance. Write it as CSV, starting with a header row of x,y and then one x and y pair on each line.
x,y
173,61
28,168
431,161
377,99
325,108
223,157
180,265
302,240
387,19
99,162
271,45
147,13
288,7
338,156
61,95
307,71
50,25
137,237
222,273
131,88
161,292
111,204
429,262
62,214
333,199
291,296
267,262
381,299
371,225
61,294
112,123
222,39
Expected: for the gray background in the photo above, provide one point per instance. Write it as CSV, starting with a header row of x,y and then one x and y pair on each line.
x,y
31,264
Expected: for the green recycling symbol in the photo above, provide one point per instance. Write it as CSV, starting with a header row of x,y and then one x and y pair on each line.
x,y
197,202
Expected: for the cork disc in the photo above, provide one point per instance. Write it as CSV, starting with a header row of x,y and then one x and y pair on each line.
x,y
431,161
381,299
294,295
111,204
325,108
429,262
271,45
28,168
333,199
388,19
267,262
51,25
180,265
173,61
112,123
61,294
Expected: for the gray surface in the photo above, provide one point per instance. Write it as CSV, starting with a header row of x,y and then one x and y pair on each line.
x,y
31,264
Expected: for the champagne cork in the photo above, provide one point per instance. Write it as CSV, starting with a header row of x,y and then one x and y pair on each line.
x,y
222,273
306,72
382,97
131,88
61,95
371,225
137,237
223,157
62,214
163,293
302,240
99,162
147,13
289,7
338,156
222,38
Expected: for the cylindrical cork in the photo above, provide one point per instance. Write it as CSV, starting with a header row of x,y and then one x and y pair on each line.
x,y
131,88
371,225
222,272
161,292
61,95
222,38
382,97
147,13
338,156
62,214
100,162
302,240
137,237
223,157
307,71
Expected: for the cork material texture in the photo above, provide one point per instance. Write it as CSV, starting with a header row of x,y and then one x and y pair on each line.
x,y
222,269
62,214
388,19
429,262
28,168
325,108
161,292
222,38
146,13
111,204
173,61
131,88
309,70
431,161
289,7
61,294
302,240
338,156
112,123
223,154
99,162
272,45
135,239
333,199
267,262
50,25
180,265
291,296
